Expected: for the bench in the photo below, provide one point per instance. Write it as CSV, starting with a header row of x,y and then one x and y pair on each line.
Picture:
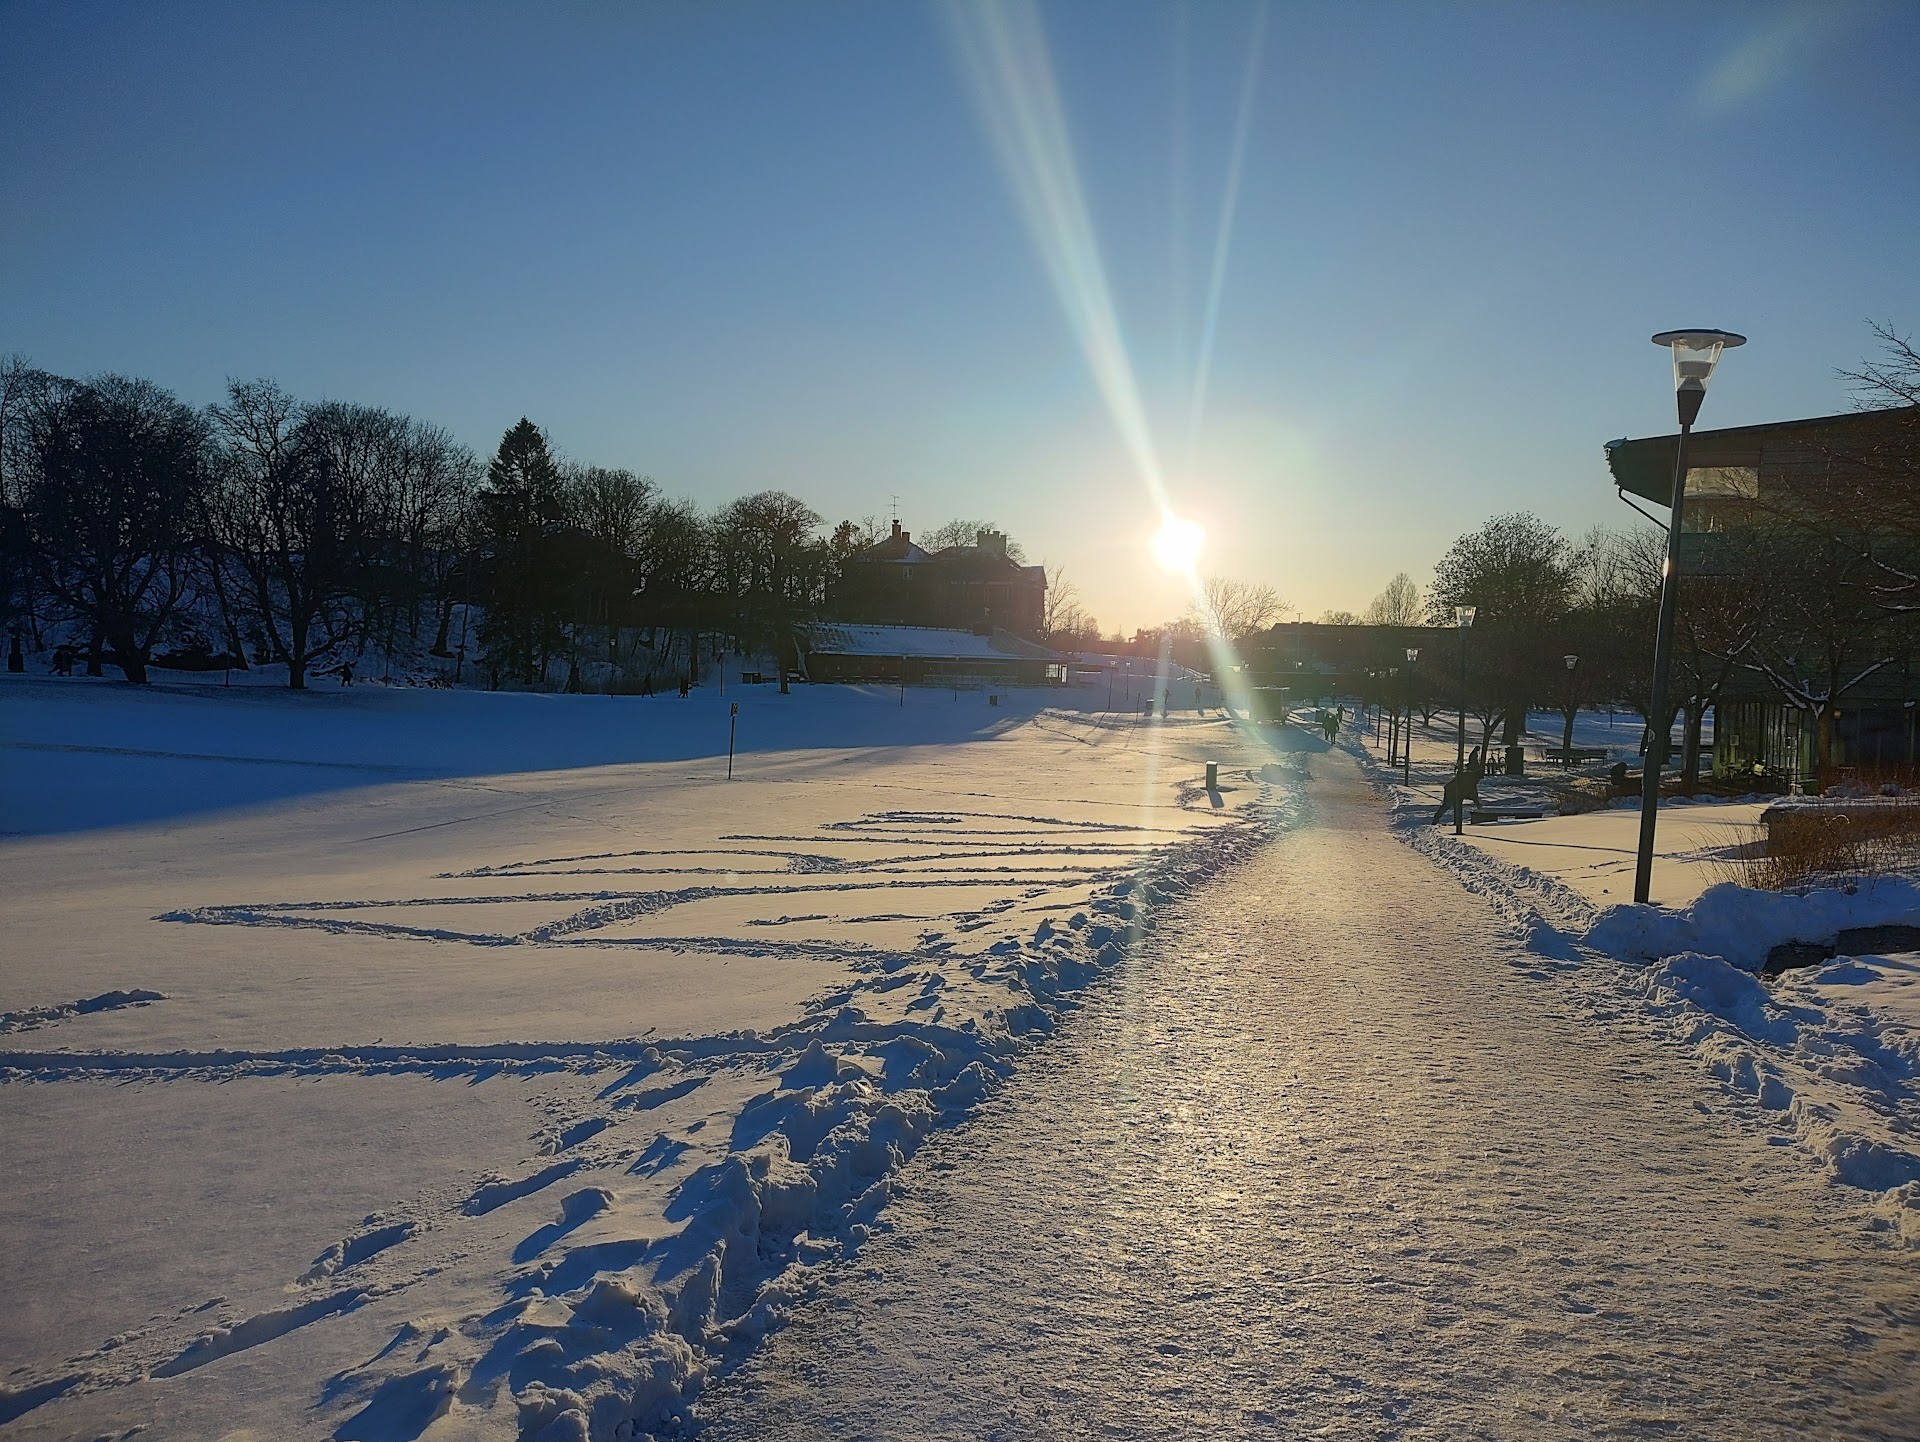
x,y
1479,815
1573,755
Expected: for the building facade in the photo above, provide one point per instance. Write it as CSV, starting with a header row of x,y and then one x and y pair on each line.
x,y
1845,486
979,587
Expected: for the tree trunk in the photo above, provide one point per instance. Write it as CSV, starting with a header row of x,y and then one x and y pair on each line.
x,y
127,654
1690,755
446,624
93,653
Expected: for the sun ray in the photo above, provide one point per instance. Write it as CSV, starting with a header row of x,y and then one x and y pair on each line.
x,y
1223,236
1003,50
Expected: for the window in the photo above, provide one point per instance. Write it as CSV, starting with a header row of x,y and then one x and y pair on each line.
x,y
1724,482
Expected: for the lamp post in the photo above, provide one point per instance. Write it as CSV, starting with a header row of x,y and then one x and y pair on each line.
x,y
1695,353
1566,740
1406,741
1463,617
1392,704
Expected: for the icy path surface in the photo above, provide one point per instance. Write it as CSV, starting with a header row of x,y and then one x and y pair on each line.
x,y
1331,1157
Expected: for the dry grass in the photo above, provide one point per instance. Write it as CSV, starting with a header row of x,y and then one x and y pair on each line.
x,y
1819,845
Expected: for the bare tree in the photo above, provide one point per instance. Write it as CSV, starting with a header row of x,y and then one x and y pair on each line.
x,y
1339,618
1400,604
1894,379
608,504
285,518
1236,609
961,532
110,491
1062,615
24,391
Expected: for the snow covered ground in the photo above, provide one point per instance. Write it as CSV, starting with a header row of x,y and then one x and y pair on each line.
x,y
1834,1050
384,1063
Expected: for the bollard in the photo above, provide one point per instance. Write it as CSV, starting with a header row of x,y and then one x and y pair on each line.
x,y
1213,776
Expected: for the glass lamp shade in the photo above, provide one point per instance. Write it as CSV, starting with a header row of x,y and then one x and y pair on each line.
x,y
1695,354
1464,615
1571,661
1413,654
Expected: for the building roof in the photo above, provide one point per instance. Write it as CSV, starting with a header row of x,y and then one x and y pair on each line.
x,y
1645,467
925,643
897,549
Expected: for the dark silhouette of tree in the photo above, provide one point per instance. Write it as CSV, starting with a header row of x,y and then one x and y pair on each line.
x,y
772,569
287,517
1520,575
111,489
521,507
1400,604
960,532
24,390
676,569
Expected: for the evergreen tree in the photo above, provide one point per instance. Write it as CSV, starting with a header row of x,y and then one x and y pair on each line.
x,y
522,507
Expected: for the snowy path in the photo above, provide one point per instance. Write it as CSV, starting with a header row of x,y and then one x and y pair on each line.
x,y
1333,1157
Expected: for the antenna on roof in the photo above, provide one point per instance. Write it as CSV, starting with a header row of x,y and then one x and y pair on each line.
x,y
896,508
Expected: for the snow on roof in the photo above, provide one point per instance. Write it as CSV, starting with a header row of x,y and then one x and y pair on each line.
x,y
926,642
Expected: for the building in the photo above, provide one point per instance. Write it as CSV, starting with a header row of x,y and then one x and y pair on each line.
x,y
927,655
1317,659
979,587
1856,476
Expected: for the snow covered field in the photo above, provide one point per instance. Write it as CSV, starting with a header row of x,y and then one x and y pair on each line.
x,y
381,1063
1832,1050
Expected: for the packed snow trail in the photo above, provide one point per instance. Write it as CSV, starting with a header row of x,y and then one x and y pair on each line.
x,y
1333,1156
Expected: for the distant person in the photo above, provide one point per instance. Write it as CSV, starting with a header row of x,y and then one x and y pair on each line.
x,y
1330,726
63,659
685,687
16,658
345,673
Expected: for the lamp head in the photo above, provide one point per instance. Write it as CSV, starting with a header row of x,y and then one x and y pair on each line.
x,y
1571,661
1695,354
1464,615
1413,654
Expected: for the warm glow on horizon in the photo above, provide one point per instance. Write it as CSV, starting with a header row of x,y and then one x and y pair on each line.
x,y
1176,546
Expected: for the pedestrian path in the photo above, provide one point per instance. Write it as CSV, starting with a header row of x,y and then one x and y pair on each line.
x,y
1331,1158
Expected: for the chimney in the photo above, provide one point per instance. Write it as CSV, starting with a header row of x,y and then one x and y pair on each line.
x,y
992,541
898,534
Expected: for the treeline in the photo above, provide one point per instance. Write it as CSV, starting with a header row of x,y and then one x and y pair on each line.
x,y
264,529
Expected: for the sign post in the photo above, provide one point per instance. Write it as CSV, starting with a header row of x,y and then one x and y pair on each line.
x,y
733,722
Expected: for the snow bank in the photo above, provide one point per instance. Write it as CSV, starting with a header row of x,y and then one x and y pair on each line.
x,y
1742,925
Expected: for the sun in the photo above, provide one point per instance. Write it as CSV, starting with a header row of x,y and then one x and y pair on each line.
x,y
1177,544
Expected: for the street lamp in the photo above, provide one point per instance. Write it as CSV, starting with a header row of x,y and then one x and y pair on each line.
x,y
1695,353
1566,740
1393,715
1406,741
1463,617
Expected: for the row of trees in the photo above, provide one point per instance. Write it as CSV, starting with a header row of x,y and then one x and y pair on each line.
x,y
266,529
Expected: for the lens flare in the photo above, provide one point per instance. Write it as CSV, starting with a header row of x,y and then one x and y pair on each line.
x,y
1002,48
1176,546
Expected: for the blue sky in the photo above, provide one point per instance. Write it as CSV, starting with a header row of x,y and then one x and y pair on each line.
x,y
741,246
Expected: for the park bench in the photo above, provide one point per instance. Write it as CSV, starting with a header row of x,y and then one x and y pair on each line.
x,y
1573,755
1479,815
